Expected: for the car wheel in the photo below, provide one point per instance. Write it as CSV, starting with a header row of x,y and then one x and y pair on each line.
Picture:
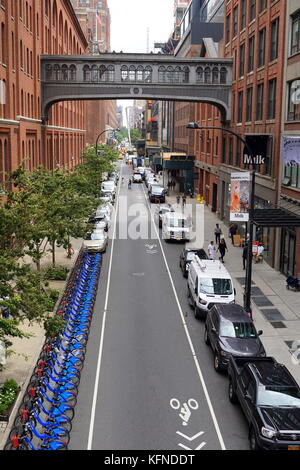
x,y
217,362
231,393
190,301
206,338
252,439
196,313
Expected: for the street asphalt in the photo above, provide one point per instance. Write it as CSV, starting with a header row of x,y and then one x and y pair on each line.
x,y
148,381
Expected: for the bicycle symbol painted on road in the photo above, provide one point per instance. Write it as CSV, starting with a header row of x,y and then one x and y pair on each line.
x,y
185,409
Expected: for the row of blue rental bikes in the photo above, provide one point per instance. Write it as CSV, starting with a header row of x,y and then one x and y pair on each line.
x,y
44,418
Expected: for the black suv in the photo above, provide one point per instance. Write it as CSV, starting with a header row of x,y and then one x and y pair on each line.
x,y
270,399
186,257
230,331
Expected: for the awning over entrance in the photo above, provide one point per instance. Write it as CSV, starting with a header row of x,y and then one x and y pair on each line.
x,y
178,161
275,218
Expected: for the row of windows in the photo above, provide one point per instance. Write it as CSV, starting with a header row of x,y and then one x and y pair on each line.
x,y
169,74
271,103
258,51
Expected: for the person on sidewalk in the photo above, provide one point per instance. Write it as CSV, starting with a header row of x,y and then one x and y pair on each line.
x,y
222,249
178,199
211,250
233,231
245,255
218,232
183,200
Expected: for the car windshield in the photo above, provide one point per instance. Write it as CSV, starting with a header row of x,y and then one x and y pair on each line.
x,y
177,223
278,395
216,286
241,330
108,185
190,255
97,236
156,190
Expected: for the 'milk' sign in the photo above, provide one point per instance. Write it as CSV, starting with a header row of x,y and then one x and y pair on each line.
x,y
254,159
255,151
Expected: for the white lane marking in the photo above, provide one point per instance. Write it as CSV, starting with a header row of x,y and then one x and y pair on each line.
x,y
97,378
188,448
214,418
190,438
185,410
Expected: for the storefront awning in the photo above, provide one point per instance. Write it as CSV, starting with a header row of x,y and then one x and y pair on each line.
x,y
275,218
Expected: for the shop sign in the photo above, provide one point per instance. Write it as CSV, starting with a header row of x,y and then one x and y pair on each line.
x,y
240,196
291,150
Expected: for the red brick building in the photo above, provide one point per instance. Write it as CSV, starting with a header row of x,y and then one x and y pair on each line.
x,y
94,18
28,29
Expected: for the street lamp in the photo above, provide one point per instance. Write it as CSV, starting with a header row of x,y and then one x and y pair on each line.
x,y
248,279
101,133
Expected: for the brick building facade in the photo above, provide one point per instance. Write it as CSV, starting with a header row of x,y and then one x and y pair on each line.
x,y
28,29
94,18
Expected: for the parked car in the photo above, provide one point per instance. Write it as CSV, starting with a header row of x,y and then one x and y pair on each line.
x,y
157,194
99,220
95,241
137,178
208,283
186,257
160,211
175,226
107,198
270,399
230,331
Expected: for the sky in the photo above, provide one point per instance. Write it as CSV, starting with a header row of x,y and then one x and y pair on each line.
x,y
130,20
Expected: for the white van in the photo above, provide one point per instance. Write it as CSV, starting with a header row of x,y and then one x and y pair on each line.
x,y
209,283
176,226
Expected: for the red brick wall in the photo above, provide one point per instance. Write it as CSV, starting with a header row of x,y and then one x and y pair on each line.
x,y
31,30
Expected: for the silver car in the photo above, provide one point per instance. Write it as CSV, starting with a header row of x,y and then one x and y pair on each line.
x,y
95,241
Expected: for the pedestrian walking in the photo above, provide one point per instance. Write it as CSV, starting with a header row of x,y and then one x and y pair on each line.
x,y
222,249
173,184
211,250
218,232
178,199
245,255
183,200
233,231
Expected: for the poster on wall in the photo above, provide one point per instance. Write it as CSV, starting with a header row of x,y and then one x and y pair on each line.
x,y
240,197
291,150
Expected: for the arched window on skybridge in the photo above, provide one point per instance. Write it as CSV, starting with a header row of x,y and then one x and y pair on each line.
x,y
49,74
124,73
140,73
111,73
215,75
186,74
148,74
199,72
207,75
65,72
73,71
132,73
162,74
103,73
86,73
56,72
95,73
223,75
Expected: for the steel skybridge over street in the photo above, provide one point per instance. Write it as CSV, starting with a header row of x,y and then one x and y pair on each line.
x,y
136,76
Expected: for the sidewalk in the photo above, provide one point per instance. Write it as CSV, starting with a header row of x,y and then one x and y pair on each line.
x,y
19,366
275,309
